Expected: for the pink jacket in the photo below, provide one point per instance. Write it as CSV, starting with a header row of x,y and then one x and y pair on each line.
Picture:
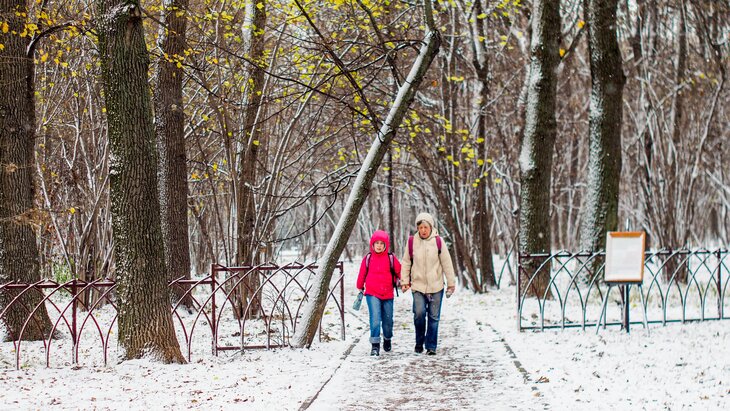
x,y
379,281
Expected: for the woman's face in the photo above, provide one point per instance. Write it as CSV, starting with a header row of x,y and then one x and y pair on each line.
x,y
424,230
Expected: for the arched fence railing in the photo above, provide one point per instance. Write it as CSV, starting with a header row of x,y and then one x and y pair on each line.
x,y
678,286
211,321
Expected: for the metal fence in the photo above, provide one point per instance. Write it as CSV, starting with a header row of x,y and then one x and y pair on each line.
x,y
84,314
678,286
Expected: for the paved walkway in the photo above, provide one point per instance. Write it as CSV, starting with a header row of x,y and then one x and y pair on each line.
x,y
473,370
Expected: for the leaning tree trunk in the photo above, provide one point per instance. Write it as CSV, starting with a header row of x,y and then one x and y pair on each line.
x,y
484,217
145,320
307,327
170,131
247,247
537,143
19,257
600,208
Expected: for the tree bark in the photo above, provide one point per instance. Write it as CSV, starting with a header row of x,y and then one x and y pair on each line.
x,y
170,132
19,256
247,243
145,320
307,327
600,210
484,216
538,141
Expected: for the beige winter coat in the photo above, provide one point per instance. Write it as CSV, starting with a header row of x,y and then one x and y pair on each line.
x,y
427,273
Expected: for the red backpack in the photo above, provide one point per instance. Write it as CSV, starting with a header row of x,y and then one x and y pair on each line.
x,y
392,269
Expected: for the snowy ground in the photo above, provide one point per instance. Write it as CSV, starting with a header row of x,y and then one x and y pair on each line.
x,y
483,362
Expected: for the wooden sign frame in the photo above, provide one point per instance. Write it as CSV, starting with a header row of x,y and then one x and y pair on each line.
x,y
624,257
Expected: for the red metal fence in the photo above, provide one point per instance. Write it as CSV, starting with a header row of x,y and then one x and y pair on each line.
x,y
84,314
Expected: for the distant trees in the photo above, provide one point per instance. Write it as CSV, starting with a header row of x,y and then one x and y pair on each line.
x,y
263,122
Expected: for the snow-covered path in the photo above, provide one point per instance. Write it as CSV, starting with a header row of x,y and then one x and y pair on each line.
x,y
473,369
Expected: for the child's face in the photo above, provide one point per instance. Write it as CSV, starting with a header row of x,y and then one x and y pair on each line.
x,y
379,246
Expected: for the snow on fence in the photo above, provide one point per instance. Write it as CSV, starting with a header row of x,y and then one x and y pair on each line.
x,y
678,286
84,314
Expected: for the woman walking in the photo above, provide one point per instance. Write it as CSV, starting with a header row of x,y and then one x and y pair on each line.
x,y
424,266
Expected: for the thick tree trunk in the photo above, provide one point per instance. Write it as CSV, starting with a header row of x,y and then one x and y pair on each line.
x,y
145,320
307,327
19,257
247,243
538,141
600,208
170,131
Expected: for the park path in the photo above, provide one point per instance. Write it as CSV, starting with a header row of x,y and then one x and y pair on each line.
x,y
473,370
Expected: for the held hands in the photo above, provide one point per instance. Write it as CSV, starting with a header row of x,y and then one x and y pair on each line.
x,y
405,287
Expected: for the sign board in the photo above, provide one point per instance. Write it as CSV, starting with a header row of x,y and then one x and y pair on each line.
x,y
625,256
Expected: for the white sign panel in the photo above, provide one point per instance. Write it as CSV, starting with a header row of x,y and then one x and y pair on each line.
x,y
625,257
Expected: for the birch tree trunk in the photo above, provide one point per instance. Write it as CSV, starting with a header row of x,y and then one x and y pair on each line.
x,y
145,320
539,139
308,324
600,210
19,256
170,131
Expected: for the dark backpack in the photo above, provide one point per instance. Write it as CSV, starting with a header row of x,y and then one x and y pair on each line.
x,y
393,275
410,247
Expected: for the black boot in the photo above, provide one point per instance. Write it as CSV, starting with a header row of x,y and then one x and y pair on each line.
x,y
376,349
386,345
419,348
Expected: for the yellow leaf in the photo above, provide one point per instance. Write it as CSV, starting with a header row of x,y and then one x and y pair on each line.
x,y
256,142
562,52
581,23
5,27
72,210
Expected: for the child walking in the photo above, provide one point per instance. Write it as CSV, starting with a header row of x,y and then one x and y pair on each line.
x,y
379,275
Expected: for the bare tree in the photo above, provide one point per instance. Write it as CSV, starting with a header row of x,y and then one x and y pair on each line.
x,y
480,60
600,206
170,132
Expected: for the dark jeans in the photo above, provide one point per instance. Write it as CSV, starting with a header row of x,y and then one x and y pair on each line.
x,y
427,305
381,311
